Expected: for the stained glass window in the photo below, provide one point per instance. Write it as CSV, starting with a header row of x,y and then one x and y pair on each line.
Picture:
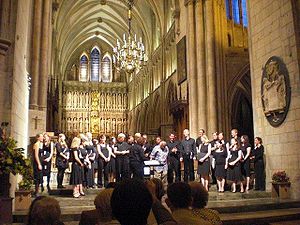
x,y
244,10
84,62
236,11
227,4
106,73
95,64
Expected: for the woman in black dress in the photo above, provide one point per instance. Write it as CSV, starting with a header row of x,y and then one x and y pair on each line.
x,y
234,173
204,160
77,174
37,161
105,155
246,150
259,166
47,157
112,171
89,170
62,159
220,164
137,158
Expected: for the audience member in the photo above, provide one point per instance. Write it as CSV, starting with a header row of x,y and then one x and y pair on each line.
x,y
200,199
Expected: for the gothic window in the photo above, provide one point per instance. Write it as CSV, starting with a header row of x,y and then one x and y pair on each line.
x,y
228,9
106,73
236,11
244,13
95,64
84,63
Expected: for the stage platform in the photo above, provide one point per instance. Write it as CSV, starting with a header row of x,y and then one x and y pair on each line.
x,y
255,208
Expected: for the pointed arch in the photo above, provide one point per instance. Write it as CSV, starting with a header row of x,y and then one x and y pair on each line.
x,y
83,67
95,64
106,68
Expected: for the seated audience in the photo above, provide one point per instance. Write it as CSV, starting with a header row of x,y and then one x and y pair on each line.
x,y
159,188
200,199
44,211
179,200
102,214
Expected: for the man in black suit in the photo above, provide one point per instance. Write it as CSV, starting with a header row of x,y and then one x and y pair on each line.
x,y
173,159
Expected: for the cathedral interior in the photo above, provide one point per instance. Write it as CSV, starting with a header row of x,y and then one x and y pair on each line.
x,y
205,65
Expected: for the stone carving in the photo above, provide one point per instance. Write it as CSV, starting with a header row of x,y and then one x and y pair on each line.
x,y
275,91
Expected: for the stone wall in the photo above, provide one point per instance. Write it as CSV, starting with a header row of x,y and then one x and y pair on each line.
x,y
272,33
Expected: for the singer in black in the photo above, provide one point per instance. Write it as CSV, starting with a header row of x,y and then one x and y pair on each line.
x,y
122,158
173,159
47,157
259,166
188,155
62,159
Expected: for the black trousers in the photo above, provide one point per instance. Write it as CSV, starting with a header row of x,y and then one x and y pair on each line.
x,y
89,174
100,172
189,174
122,168
137,170
106,168
173,166
259,169
60,176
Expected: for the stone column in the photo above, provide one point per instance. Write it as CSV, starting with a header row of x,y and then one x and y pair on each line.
x,y
210,66
44,72
200,56
191,69
36,40
5,28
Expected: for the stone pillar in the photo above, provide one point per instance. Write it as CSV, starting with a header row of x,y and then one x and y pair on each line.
x,y
200,56
44,69
36,41
191,68
210,66
4,19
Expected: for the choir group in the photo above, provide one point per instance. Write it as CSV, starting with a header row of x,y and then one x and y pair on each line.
x,y
98,161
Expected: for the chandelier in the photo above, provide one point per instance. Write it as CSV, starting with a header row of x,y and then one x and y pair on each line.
x,y
130,55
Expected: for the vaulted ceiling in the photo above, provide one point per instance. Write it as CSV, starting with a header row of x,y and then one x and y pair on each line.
x,y
76,22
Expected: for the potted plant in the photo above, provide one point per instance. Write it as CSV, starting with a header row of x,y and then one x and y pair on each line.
x,y
280,185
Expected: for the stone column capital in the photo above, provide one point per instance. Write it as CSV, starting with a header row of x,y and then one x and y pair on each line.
x,y
4,46
188,2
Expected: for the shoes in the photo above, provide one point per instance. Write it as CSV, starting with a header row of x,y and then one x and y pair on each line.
x,y
60,187
76,195
82,194
100,186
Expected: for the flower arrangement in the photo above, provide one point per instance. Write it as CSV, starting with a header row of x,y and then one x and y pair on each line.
x,y
12,160
280,177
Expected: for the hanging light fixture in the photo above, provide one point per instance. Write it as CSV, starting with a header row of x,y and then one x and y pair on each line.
x,y
129,55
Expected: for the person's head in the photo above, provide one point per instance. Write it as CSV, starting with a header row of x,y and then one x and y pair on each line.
x,y
46,137
215,136
137,135
234,133
95,141
186,133
201,132
102,204
245,139
258,141
145,138
83,138
45,211
172,137
221,136
102,139
140,141
131,202
162,144
113,140
179,195
39,137
75,142
89,136
204,139
121,137
234,142
29,220
159,188
199,195
130,139
61,137
157,140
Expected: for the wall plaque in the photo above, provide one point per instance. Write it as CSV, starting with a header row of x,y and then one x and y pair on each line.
x,y
275,91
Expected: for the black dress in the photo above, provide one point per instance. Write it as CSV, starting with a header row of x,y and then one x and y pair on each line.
x,y
106,165
137,159
246,163
89,171
77,171
38,174
234,172
203,167
112,162
220,161
259,168
46,165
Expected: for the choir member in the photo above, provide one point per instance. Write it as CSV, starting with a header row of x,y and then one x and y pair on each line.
x,y
204,160
173,159
234,173
246,150
122,158
188,155
77,174
62,159
37,161
213,144
105,154
89,170
137,159
198,140
259,166
47,157
224,142
220,165
112,172
234,134
99,164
